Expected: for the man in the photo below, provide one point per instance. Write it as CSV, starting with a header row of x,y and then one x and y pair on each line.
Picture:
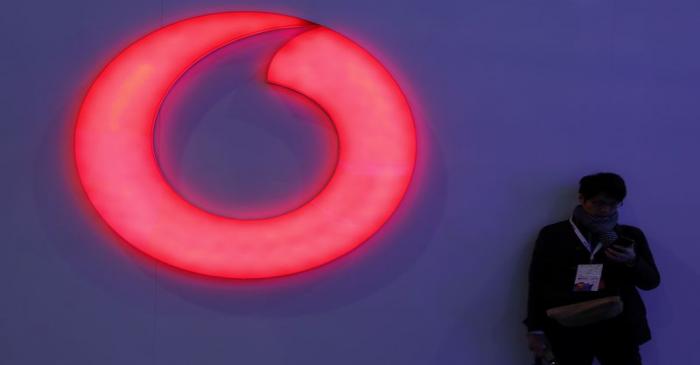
x,y
586,257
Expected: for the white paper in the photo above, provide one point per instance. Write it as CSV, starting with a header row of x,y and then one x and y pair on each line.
x,y
588,277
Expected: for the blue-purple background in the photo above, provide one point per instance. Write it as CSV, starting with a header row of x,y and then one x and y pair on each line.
x,y
514,101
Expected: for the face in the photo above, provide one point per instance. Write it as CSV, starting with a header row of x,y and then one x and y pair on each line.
x,y
600,205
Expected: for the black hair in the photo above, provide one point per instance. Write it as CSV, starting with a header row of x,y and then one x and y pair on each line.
x,y
606,183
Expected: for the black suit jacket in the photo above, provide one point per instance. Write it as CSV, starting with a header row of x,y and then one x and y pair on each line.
x,y
557,254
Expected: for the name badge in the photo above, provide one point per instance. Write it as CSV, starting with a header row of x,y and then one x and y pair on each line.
x,y
588,277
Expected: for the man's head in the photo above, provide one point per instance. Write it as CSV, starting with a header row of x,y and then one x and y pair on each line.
x,y
602,193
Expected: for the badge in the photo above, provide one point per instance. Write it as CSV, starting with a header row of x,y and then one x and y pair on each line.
x,y
588,277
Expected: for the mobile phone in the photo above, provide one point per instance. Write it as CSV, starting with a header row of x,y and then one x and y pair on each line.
x,y
624,241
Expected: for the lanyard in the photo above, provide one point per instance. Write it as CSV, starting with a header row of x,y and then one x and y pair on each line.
x,y
584,241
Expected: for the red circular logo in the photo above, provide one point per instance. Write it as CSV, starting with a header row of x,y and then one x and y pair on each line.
x,y
117,167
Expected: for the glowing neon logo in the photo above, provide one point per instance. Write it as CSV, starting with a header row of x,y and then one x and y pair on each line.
x,y
115,157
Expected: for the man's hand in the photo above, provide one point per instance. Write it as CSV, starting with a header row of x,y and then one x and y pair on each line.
x,y
537,343
621,254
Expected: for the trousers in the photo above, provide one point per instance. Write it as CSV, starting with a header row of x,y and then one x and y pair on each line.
x,y
605,341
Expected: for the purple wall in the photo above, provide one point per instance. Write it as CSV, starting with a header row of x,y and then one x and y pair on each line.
x,y
514,101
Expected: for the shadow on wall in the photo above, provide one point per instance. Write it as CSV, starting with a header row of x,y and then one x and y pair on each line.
x,y
666,311
488,303
236,146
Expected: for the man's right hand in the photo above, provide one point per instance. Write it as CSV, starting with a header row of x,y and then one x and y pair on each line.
x,y
537,343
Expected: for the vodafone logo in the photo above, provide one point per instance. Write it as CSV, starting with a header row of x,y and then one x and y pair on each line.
x,y
115,158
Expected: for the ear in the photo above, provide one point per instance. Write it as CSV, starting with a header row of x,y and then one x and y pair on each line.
x,y
580,198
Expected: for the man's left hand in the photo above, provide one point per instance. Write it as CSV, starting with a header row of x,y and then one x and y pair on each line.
x,y
621,254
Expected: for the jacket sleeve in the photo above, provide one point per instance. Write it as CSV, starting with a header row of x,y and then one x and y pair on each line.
x,y
538,284
643,273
